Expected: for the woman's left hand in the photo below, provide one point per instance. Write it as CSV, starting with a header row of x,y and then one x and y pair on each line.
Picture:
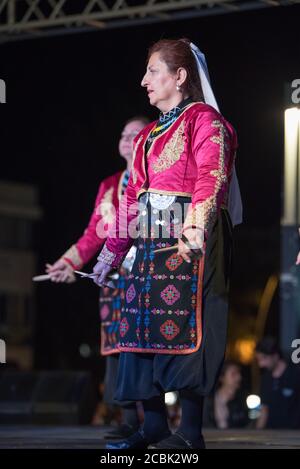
x,y
191,244
101,270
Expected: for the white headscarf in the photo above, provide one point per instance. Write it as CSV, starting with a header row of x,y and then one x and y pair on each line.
x,y
235,206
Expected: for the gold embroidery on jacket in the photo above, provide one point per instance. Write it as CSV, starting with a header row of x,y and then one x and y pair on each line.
x,y
203,213
171,152
106,206
134,176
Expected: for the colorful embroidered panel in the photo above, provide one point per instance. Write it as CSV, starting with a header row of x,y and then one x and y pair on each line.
x,y
162,308
110,302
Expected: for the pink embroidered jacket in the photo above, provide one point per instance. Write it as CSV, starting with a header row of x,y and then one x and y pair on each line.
x,y
106,204
193,157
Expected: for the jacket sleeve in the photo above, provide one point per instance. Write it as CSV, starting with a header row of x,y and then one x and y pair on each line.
x,y
124,232
213,145
90,242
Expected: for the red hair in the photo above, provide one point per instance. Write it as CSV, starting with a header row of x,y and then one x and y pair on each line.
x,y
176,53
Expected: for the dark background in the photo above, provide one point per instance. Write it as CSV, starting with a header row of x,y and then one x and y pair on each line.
x,y
67,99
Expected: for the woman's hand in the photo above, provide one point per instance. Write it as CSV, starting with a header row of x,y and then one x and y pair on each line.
x,y
102,270
191,244
60,272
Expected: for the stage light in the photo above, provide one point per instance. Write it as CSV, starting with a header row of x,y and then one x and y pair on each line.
x,y
253,401
288,287
244,350
170,398
85,350
291,166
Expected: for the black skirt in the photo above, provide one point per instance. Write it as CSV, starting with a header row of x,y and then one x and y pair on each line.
x,y
145,375
110,381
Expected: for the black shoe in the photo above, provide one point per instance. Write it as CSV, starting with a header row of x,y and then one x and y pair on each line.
x,y
136,441
179,441
121,432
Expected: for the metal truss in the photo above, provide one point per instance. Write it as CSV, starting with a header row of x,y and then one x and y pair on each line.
x,y
20,19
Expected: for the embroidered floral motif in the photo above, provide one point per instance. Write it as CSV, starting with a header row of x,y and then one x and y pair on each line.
x,y
163,245
173,262
202,214
169,329
131,293
181,312
172,151
128,344
160,277
73,255
170,294
157,311
106,206
183,277
169,347
124,326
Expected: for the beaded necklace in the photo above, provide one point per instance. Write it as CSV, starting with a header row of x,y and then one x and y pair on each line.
x,y
165,120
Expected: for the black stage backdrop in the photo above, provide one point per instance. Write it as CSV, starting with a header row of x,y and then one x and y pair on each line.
x,y
67,98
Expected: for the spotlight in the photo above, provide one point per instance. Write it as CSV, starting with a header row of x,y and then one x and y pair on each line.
x,y
85,350
253,401
170,398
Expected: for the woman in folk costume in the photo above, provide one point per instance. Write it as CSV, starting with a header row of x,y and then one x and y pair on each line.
x,y
174,321
110,191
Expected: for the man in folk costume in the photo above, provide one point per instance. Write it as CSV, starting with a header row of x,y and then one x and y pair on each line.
x,y
107,201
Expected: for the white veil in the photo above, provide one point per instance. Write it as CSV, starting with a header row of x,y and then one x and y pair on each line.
x,y
235,206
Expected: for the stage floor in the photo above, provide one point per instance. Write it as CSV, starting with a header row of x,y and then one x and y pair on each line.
x,y
91,437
